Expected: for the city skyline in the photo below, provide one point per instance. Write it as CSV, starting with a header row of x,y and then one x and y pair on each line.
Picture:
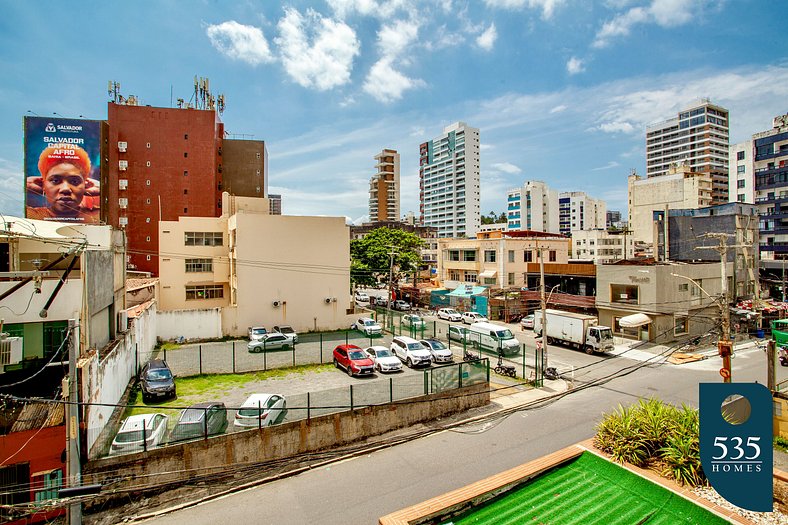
x,y
561,92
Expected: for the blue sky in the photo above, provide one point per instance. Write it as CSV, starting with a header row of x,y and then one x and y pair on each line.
x,y
561,89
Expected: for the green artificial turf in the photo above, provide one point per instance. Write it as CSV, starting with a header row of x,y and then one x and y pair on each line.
x,y
585,491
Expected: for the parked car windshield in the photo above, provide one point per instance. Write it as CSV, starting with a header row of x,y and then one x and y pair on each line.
x,y
606,334
504,334
258,331
450,311
357,354
437,345
158,374
415,346
383,353
369,322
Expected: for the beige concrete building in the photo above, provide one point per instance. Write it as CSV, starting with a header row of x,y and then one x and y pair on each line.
x,y
384,187
676,307
679,189
258,269
602,246
496,259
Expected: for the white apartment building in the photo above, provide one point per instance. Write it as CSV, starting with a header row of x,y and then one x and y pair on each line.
x,y
679,189
741,180
533,207
578,211
602,246
449,176
698,136
384,187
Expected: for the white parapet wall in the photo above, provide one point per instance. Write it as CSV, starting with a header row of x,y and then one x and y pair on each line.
x,y
205,323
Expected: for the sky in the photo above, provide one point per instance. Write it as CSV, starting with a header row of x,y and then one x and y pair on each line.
x,y
561,90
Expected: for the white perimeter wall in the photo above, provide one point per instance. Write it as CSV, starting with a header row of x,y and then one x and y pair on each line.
x,y
205,323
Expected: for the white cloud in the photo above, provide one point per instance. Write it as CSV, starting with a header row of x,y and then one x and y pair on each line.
x,y
575,66
558,109
506,167
547,7
317,52
240,42
487,39
664,13
609,165
378,8
385,84
384,81
484,146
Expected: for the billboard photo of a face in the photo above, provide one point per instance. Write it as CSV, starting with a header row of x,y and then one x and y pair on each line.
x,y
62,169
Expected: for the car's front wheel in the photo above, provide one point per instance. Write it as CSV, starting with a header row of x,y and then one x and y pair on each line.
x,y
349,371
336,363
410,363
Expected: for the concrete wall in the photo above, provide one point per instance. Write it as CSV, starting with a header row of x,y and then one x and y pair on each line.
x,y
205,323
284,440
105,376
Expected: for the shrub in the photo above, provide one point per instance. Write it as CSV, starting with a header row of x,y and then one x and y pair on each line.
x,y
654,434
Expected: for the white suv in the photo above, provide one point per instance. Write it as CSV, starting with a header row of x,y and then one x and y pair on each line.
x,y
473,317
450,314
411,352
368,326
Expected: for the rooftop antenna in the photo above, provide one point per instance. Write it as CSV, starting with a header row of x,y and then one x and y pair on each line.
x,y
113,90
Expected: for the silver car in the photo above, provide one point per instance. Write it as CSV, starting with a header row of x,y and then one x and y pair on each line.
x,y
272,341
440,353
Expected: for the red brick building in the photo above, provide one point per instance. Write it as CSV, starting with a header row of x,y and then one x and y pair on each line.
x,y
163,163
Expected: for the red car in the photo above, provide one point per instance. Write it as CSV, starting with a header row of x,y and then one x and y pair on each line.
x,y
353,360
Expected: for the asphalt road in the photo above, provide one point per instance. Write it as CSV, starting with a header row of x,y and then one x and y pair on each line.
x,y
360,490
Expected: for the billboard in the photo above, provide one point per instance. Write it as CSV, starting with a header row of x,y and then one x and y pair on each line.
x,y
62,169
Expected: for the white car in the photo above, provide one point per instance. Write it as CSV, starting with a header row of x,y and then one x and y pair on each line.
x,y
140,432
257,332
362,297
261,410
384,360
473,317
449,314
413,321
440,353
368,326
410,351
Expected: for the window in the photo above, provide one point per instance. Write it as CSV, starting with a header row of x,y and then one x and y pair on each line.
x,y
147,163
624,293
211,291
147,182
740,197
147,257
147,201
528,256
203,239
185,173
47,484
185,154
489,256
186,136
740,169
258,154
185,192
551,256
454,255
740,183
147,219
454,275
511,279
11,478
469,255
471,277
684,287
199,265
489,280
680,325
186,210
147,145
511,256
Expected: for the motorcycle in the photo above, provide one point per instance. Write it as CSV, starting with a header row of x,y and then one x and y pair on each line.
x,y
504,370
469,356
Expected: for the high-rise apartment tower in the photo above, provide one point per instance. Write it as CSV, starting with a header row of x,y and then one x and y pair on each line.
x,y
384,187
449,181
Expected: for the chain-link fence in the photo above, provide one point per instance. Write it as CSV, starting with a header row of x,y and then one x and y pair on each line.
x,y
232,357
146,427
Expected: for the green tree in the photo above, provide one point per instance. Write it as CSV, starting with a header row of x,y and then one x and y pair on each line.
x,y
370,260
494,218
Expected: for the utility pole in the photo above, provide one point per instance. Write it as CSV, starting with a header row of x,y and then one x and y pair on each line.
x,y
392,253
540,251
74,474
724,344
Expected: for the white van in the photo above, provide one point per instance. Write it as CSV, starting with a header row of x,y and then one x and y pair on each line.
x,y
492,337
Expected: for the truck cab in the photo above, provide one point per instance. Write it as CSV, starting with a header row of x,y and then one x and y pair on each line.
x,y
600,338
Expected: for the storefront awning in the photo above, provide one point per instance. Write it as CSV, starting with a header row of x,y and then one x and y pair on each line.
x,y
488,274
634,320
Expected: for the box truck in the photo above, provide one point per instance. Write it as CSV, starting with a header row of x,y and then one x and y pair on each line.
x,y
576,330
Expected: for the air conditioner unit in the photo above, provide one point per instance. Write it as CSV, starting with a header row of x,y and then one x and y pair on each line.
x,y
10,351
123,321
276,304
122,146
123,165
123,184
